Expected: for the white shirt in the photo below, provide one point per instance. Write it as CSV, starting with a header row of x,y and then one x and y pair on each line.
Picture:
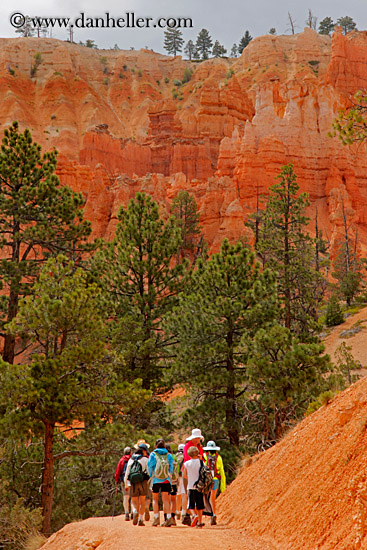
x,y
144,465
192,468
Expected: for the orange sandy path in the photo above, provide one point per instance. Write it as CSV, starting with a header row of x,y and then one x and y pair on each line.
x,y
116,534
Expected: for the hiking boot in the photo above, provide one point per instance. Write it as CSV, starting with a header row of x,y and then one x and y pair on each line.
x,y
132,515
156,522
173,522
127,517
141,523
167,523
199,525
186,520
194,521
213,520
147,515
135,519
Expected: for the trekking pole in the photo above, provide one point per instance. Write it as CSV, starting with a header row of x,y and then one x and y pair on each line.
x,y
114,501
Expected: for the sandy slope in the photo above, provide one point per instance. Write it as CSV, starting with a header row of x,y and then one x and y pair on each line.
x,y
309,492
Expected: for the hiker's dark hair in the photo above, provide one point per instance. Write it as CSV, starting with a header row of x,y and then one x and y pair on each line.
x,y
160,444
168,447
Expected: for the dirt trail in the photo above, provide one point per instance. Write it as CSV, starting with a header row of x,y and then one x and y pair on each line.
x,y
117,534
358,341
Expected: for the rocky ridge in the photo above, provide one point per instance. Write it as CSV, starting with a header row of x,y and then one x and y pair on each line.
x,y
122,124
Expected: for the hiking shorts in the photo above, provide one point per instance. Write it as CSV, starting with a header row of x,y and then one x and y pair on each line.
x,y
139,489
173,489
195,499
164,487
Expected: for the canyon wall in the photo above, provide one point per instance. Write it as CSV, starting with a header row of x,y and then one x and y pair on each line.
x,y
124,121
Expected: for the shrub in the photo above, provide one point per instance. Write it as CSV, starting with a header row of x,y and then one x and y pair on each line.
x,y
334,314
177,82
323,399
187,75
37,62
166,80
140,73
18,525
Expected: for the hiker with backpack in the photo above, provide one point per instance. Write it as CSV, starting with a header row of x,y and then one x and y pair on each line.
x,y
148,498
181,500
137,474
174,485
120,478
160,467
197,485
214,462
194,440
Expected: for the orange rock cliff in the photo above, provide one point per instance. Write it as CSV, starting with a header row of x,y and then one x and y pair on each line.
x,y
121,124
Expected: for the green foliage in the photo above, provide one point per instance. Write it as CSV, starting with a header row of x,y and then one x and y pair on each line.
x,y
326,26
185,210
187,75
284,375
273,31
204,44
244,42
38,218
346,23
37,60
351,123
346,364
27,29
323,399
17,523
65,379
190,49
141,284
166,80
173,41
229,74
286,248
218,49
234,50
334,313
348,270
228,300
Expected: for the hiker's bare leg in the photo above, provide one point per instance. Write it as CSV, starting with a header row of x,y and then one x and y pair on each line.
x,y
135,503
173,504
141,505
166,503
200,516
156,503
213,501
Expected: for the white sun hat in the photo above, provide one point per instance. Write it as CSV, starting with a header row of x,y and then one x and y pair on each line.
x,y
211,446
194,434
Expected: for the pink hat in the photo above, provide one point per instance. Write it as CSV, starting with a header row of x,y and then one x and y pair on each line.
x,y
194,434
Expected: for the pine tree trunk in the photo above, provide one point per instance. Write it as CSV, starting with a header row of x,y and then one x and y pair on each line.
x,y
9,341
47,478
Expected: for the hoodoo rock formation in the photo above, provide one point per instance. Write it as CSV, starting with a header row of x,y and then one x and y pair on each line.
x,y
125,121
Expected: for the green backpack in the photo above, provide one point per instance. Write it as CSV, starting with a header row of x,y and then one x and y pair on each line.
x,y
161,470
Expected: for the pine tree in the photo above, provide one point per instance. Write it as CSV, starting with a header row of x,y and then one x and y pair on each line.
x,y
184,209
190,49
138,274
284,376
204,44
334,314
228,300
272,30
173,41
38,218
286,248
244,42
218,49
234,50
346,23
351,124
326,26
65,379
28,28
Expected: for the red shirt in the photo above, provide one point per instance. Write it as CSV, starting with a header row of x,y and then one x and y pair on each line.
x,y
186,448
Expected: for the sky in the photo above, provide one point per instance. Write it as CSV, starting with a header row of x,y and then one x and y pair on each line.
x,y
226,20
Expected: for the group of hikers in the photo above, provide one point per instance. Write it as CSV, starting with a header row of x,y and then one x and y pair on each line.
x,y
187,480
